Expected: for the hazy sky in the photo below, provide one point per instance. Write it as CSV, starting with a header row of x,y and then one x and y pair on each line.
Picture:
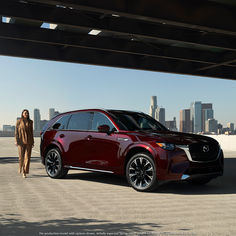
x,y
26,83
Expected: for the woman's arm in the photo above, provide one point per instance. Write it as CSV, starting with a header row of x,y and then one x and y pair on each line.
x,y
17,140
32,132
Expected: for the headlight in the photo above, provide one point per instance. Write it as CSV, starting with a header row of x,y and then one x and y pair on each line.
x,y
166,146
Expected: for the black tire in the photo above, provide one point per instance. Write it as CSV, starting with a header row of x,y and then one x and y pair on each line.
x,y
141,172
53,164
200,181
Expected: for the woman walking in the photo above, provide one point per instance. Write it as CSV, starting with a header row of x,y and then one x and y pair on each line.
x,y
24,141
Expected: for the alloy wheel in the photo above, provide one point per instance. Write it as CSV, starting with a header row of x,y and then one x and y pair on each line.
x,y
53,163
141,173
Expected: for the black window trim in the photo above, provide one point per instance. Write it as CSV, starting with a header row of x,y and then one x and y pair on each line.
x,y
90,121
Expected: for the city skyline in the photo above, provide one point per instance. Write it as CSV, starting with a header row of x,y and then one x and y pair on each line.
x,y
67,86
187,119
199,118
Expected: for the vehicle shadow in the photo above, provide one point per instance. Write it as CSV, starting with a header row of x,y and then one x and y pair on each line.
x,y
99,177
222,185
11,160
72,226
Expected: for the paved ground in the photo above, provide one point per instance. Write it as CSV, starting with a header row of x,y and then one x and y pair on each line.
x,y
97,204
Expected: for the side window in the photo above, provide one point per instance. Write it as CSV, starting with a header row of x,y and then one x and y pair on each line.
x,y
143,123
45,127
61,122
100,119
80,121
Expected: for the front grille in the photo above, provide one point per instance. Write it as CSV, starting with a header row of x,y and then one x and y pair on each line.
x,y
204,151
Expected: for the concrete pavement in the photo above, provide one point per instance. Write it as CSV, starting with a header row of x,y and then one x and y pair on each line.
x,y
100,204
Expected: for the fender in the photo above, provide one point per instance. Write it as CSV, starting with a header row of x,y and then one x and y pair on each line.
x,y
160,164
146,146
54,143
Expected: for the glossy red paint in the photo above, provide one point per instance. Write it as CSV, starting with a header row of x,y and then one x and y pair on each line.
x,y
110,151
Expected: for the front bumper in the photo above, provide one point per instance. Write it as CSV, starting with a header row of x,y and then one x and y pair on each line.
x,y
181,166
210,169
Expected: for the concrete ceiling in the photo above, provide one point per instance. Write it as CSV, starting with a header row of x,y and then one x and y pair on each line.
x,y
192,37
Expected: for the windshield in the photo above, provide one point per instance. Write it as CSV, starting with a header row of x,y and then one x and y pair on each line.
x,y
134,121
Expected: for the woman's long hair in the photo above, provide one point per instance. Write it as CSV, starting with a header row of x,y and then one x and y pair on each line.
x,y
23,112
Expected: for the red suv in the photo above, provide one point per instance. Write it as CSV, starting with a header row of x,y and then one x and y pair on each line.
x,y
127,143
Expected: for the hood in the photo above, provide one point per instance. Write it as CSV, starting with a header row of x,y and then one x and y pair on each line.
x,y
174,137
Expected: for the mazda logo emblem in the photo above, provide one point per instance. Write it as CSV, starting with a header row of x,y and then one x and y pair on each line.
x,y
205,148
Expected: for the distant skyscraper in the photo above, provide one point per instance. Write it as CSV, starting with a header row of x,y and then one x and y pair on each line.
x,y
153,106
160,115
206,115
8,128
37,119
211,126
206,106
171,125
230,126
196,117
56,113
184,122
219,129
51,113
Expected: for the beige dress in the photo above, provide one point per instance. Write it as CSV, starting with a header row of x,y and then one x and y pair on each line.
x,y
25,141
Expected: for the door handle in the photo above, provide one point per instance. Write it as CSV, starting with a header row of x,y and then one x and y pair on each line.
x,y
61,135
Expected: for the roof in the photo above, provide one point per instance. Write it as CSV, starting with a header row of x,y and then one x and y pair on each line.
x,y
194,37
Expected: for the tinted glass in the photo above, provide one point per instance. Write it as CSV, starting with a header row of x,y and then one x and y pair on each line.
x,y
45,127
80,121
61,123
100,119
134,121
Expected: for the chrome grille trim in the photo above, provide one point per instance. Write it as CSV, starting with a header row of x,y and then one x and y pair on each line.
x,y
188,154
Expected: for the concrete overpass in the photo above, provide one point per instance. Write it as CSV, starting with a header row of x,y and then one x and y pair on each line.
x,y
188,37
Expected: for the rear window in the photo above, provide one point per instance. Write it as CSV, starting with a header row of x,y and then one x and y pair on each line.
x,y
61,123
80,121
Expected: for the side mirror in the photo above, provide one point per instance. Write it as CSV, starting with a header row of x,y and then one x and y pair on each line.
x,y
56,126
104,128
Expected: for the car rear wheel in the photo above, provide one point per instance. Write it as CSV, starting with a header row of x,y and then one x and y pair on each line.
x,y
141,172
53,164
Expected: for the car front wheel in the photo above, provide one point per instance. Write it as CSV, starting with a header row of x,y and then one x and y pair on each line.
x,y
141,172
53,164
